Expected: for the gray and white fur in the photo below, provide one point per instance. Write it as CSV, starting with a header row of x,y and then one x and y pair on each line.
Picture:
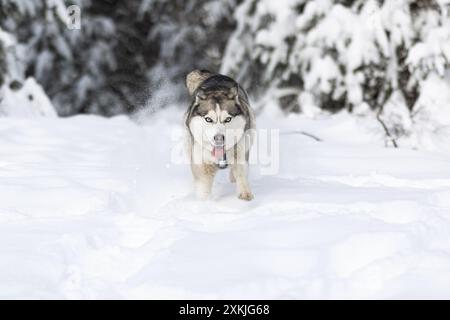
x,y
219,108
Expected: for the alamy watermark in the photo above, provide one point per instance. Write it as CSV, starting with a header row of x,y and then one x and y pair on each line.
x,y
72,17
264,146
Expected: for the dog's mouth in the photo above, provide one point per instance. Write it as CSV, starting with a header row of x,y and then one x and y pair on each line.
x,y
218,151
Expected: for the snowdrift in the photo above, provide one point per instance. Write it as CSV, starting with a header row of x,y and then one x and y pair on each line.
x,y
27,100
96,208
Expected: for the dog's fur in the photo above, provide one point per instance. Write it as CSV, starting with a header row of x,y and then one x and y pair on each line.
x,y
220,99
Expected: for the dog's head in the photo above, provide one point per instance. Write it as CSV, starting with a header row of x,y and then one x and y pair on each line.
x,y
216,115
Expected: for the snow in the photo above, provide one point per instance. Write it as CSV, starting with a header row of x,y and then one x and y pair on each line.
x,y
29,100
102,208
6,39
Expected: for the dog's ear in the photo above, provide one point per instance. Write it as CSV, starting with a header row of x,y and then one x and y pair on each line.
x,y
195,78
233,93
199,95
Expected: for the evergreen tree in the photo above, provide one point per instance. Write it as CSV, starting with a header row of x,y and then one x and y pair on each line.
x,y
124,52
339,54
99,68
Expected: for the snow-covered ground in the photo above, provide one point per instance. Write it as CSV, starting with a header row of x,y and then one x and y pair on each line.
x,y
96,208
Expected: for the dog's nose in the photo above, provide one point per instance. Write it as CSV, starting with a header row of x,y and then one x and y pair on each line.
x,y
219,139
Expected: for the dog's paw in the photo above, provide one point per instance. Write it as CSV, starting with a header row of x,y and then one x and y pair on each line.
x,y
203,196
246,195
202,191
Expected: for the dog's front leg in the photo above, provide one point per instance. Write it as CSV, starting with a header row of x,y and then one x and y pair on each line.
x,y
240,172
204,178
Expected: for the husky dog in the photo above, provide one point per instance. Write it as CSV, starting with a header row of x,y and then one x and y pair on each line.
x,y
220,127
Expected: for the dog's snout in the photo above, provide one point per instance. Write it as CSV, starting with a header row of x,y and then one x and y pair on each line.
x,y
219,139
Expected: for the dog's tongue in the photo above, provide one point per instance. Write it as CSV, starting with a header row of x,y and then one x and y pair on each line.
x,y
218,152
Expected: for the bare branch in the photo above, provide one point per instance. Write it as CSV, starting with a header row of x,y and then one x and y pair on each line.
x,y
386,130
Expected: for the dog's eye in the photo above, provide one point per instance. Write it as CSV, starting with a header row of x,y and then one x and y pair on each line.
x,y
228,119
208,119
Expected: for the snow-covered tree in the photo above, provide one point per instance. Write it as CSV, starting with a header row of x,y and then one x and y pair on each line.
x,y
339,54
99,68
124,51
3,64
19,96
355,55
